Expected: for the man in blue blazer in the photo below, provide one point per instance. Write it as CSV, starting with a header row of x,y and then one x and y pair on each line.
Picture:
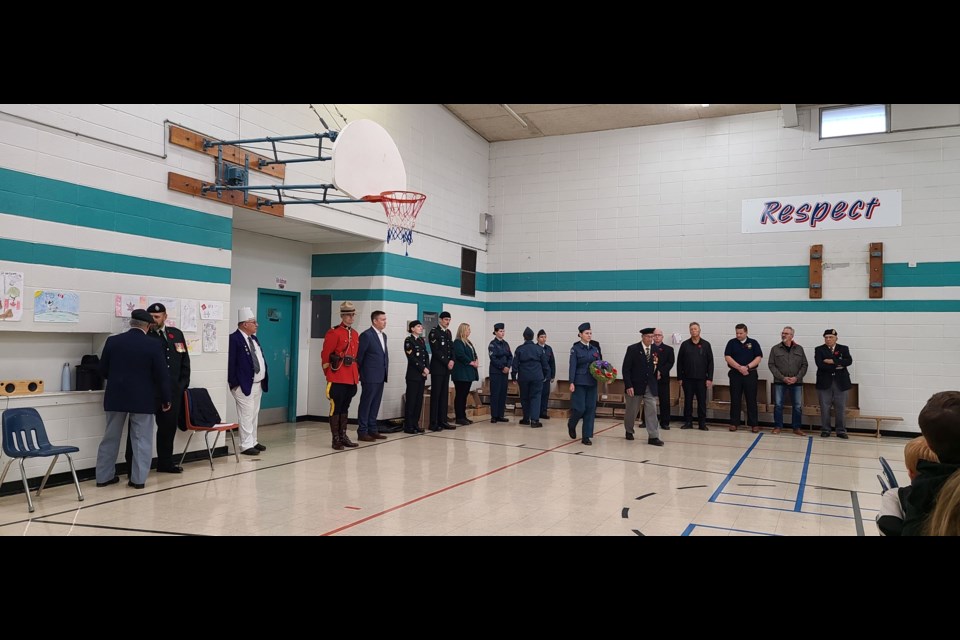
x,y
373,362
135,367
247,377
640,384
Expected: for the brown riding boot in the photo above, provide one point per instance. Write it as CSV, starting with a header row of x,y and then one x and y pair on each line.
x,y
344,438
335,432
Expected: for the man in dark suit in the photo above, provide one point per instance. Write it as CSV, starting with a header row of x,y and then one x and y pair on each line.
x,y
247,378
640,384
441,364
174,347
833,380
373,362
665,360
136,374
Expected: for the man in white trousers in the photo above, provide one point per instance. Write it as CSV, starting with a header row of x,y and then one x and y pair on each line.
x,y
247,377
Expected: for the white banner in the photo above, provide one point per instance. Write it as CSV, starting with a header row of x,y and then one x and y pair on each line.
x,y
823,211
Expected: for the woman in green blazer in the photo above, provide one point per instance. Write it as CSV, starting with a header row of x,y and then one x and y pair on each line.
x,y
464,373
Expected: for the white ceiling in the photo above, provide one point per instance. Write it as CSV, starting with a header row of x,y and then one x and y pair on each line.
x,y
495,123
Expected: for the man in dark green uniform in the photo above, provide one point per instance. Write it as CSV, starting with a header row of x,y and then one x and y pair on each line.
x,y
174,347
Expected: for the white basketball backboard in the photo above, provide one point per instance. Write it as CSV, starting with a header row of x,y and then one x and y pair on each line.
x,y
366,162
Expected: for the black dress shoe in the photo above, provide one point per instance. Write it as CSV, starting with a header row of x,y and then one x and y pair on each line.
x,y
544,417
436,428
113,480
585,441
572,431
259,447
494,420
504,419
657,442
411,431
704,427
824,434
665,427
687,426
525,422
467,420
462,422
133,484
449,427
536,425
629,436
843,436
250,452
170,469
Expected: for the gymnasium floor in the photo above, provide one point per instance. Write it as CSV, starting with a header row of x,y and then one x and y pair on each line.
x,y
486,480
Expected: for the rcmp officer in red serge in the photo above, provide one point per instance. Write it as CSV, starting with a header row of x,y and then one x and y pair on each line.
x,y
174,347
339,359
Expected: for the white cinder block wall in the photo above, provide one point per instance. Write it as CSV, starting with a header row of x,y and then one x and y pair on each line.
x,y
669,197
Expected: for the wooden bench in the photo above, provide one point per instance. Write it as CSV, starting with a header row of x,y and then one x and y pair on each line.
x,y
880,419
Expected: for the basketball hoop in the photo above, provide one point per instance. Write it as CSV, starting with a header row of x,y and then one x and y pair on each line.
x,y
402,208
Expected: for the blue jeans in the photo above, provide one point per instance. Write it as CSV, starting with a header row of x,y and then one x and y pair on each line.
x,y
796,392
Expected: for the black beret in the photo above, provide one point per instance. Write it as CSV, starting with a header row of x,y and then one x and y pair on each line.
x,y
445,314
541,333
583,327
830,332
140,314
647,330
412,324
156,307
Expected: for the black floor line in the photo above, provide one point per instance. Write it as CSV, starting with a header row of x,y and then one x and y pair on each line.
x,y
114,528
698,486
625,513
857,518
646,495
637,531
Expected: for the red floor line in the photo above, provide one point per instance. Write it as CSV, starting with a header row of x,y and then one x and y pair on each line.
x,y
459,484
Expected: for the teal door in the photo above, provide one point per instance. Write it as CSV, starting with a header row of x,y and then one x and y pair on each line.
x,y
278,315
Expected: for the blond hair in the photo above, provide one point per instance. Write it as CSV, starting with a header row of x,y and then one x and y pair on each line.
x,y
915,451
460,333
945,519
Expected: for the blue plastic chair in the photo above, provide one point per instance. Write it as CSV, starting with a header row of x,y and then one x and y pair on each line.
x,y
24,436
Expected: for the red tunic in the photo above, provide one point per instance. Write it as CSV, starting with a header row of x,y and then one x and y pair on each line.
x,y
344,341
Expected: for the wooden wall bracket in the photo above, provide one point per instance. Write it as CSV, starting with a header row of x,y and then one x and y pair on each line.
x,y
232,154
194,187
876,270
816,271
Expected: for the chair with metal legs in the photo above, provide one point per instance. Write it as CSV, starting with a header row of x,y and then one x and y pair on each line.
x,y
217,428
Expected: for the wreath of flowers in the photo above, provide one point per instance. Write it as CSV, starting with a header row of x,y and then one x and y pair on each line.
x,y
603,371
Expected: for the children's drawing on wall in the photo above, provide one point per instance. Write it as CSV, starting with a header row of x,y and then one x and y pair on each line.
x,y
172,305
11,290
211,310
210,337
188,315
123,305
56,306
193,345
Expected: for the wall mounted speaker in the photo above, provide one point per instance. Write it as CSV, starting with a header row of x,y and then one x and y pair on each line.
x,y
20,387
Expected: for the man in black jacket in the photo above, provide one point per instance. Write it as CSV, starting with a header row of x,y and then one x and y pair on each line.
x,y
665,360
640,384
695,372
833,380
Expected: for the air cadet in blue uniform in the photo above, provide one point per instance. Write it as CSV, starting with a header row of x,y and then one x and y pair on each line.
x,y
583,386
501,358
548,382
418,368
530,367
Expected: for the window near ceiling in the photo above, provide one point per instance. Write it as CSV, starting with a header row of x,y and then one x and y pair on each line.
x,y
857,120
468,272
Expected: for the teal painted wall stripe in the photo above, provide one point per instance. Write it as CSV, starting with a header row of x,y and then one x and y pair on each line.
x,y
424,301
29,196
434,303
70,258
925,274
384,264
745,306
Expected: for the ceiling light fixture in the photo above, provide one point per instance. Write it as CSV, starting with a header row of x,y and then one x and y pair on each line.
x,y
516,116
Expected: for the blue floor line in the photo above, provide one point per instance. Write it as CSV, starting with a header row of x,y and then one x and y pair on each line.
x,y
692,526
733,471
803,476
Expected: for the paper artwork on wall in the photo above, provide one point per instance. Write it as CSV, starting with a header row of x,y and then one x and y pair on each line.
x,y
52,305
11,290
193,345
211,310
172,305
123,305
210,337
188,315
